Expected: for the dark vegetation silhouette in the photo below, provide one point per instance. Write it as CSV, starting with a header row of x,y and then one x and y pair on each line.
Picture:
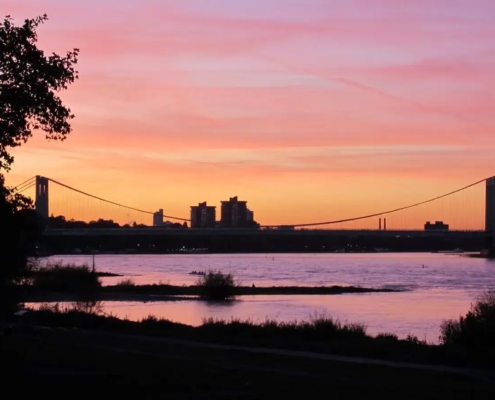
x,y
126,283
89,307
215,285
206,288
59,277
60,222
30,83
319,334
319,326
476,328
19,230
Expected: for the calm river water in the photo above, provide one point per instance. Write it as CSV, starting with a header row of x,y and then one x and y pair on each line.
x,y
444,288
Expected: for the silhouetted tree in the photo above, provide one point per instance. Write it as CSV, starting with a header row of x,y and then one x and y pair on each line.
x,y
101,223
29,101
19,231
29,84
61,223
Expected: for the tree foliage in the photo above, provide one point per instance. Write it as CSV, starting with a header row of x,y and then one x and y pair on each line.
x,y
29,87
476,328
30,83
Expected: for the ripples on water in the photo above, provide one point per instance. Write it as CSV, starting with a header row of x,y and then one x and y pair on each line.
x,y
444,288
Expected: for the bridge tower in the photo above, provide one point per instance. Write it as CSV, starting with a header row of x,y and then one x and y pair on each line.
x,y
490,211
41,201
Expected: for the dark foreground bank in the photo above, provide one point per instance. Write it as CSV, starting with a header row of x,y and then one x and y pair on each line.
x,y
125,359
79,351
320,334
99,367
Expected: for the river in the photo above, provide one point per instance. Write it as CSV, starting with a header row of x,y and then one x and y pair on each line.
x,y
436,287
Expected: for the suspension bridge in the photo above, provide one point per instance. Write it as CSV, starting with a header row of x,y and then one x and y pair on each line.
x,y
461,219
470,208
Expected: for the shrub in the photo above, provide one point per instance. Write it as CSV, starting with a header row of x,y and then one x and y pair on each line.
x,y
88,307
476,328
152,323
412,339
388,337
65,277
216,285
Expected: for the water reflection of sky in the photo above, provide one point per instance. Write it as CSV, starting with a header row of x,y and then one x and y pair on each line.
x,y
419,313
373,270
444,288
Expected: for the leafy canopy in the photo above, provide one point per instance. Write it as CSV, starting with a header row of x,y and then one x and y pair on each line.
x,y
30,83
29,86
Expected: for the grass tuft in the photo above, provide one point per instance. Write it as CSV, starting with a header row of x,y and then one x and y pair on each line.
x,y
126,283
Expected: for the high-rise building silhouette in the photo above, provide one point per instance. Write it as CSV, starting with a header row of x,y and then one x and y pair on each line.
x,y
158,218
490,206
234,213
249,215
203,216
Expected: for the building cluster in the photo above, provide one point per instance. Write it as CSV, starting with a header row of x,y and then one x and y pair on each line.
x,y
234,214
437,226
158,221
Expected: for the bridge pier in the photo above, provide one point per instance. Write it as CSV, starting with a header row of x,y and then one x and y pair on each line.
x,y
41,200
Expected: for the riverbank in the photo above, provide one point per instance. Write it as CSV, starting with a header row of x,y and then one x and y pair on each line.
x,y
319,334
157,292
107,275
110,366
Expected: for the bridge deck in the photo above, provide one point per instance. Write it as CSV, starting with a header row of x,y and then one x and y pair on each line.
x,y
253,232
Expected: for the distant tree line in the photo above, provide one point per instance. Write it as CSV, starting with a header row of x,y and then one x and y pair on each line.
x,y
60,222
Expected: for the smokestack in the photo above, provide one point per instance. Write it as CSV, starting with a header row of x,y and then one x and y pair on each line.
x,y
384,224
380,225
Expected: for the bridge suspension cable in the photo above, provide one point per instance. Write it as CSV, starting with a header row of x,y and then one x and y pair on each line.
x,y
380,213
32,182
25,188
113,202
27,184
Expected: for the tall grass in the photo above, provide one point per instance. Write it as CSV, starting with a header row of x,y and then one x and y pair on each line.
x,y
64,277
319,326
216,285
476,328
90,307
126,283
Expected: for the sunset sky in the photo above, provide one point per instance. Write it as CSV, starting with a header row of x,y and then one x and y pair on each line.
x,y
308,109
